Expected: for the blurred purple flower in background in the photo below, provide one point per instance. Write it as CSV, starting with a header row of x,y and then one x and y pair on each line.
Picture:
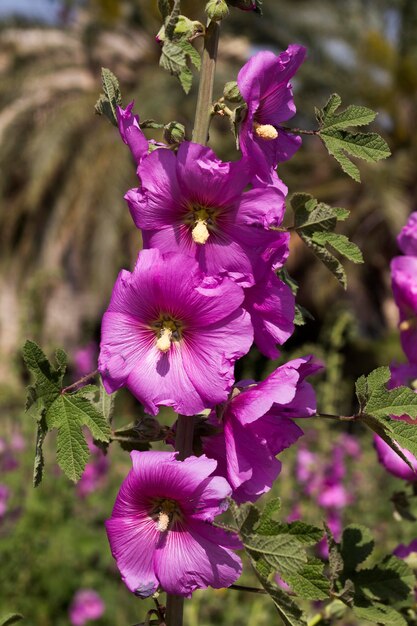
x,y
86,605
95,471
85,359
4,497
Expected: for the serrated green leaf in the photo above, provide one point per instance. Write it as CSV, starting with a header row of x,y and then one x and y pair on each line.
x,y
357,544
391,580
39,460
107,102
290,613
361,388
282,553
106,403
11,618
370,147
264,526
310,583
174,58
353,115
311,215
328,259
341,244
48,380
378,613
172,19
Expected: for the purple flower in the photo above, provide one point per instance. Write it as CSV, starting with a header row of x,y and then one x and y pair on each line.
x,y
172,335
196,204
407,239
4,497
257,425
404,287
160,531
131,132
271,304
265,87
86,605
403,551
85,359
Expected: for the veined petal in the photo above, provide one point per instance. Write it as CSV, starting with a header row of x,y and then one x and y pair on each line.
x,y
193,557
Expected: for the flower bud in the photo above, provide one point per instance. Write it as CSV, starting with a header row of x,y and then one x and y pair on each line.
x,y
231,92
174,132
217,9
245,5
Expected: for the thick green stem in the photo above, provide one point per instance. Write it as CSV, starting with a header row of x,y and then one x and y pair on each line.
x,y
205,90
184,445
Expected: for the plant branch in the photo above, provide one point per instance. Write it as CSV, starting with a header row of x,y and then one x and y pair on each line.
x,y
205,90
79,382
184,435
250,589
298,131
340,418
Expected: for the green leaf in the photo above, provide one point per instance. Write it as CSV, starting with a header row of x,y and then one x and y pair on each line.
x,y
377,404
357,544
342,143
105,403
310,583
290,613
174,57
108,101
10,619
391,580
39,460
151,124
69,413
48,379
335,558
378,613
164,7
353,115
172,19
315,222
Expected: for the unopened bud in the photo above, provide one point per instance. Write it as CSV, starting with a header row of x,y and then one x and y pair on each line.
x,y
245,5
174,132
231,92
217,9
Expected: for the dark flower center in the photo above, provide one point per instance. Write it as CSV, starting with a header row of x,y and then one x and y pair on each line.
x,y
165,512
167,329
201,220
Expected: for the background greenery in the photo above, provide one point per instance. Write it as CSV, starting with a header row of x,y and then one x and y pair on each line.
x,y
65,232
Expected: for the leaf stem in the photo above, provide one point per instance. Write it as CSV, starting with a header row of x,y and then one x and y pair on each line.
x,y
79,382
250,589
184,435
298,131
341,418
205,90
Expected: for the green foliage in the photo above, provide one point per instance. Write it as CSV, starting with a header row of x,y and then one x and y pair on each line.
x,y
366,590
53,408
108,101
177,51
342,143
277,547
10,619
315,222
377,404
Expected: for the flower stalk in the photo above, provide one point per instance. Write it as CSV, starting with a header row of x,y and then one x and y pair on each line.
x,y
205,90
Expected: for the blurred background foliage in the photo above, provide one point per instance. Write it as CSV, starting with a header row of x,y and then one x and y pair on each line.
x,y
65,232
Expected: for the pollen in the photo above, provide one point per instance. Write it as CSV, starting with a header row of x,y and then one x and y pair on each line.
x,y
409,324
200,232
164,341
265,131
163,522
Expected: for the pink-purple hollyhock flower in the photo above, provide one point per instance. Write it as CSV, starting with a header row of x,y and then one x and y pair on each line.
x,y
85,359
407,239
271,303
404,287
160,531
409,554
172,335
4,498
86,605
131,132
256,426
264,82
196,204
401,374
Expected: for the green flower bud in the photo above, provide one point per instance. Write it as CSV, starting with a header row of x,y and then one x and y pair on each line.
x,y
174,132
217,9
231,92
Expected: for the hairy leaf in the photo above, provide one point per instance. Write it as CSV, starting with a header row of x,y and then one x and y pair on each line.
x,y
10,619
174,58
357,545
289,611
378,613
108,101
310,583
391,580
342,143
